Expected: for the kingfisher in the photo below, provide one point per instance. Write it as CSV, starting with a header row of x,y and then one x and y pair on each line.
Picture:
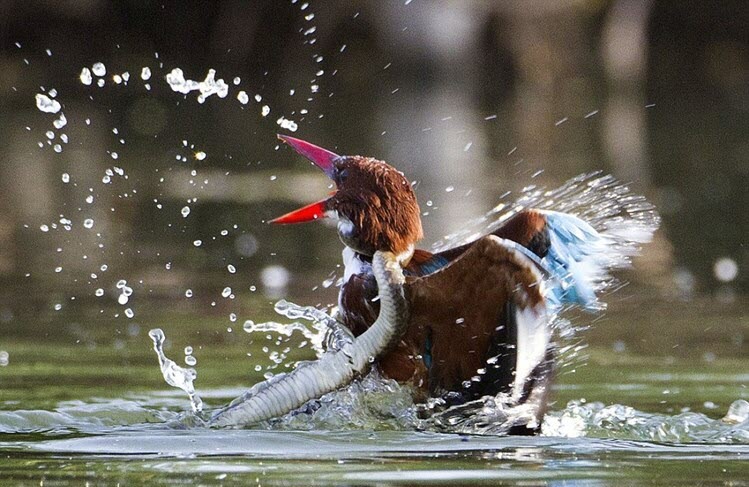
x,y
479,314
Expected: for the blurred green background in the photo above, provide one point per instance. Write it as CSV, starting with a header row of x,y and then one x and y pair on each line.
x,y
470,99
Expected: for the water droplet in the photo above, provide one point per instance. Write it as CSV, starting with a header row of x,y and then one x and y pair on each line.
x,y
725,269
287,124
243,97
231,269
264,111
248,326
129,313
226,292
188,293
99,292
449,189
58,307
191,361
145,73
197,243
99,69
85,76
738,411
46,104
88,223
58,269
123,299
185,211
44,228
275,277
232,317
60,122
4,358
200,155
90,199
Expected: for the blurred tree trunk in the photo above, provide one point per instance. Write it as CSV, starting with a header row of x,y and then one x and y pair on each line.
x,y
625,53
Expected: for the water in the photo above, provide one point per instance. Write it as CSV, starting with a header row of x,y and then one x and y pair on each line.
x,y
127,428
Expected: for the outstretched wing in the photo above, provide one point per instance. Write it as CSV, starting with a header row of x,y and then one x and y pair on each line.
x,y
578,256
480,322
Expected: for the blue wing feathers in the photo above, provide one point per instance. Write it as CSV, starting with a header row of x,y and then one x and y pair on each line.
x,y
577,260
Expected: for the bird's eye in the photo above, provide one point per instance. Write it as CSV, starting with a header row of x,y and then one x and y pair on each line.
x,y
342,175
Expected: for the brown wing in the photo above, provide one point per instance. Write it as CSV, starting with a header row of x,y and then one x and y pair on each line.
x,y
459,312
528,228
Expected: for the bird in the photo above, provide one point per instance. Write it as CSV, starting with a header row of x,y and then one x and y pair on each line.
x,y
479,314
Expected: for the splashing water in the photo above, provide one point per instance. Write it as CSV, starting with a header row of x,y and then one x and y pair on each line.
x,y
623,422
625,220
174,375
209,86
331,334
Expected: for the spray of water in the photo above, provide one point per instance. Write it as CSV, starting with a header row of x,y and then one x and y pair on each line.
x,y
174,375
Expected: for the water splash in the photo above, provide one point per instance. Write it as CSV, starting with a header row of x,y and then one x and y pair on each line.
x,y
595,419
370,403
625,219
208,87
174,375
330,333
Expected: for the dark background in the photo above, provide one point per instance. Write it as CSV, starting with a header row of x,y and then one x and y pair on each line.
x,y
478,96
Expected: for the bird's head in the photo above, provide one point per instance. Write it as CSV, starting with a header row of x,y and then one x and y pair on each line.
x,y
373,202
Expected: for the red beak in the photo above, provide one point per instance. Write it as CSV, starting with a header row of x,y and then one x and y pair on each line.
x,y
307,213
322,158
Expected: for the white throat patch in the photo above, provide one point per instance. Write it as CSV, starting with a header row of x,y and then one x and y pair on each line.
x,y
353,265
